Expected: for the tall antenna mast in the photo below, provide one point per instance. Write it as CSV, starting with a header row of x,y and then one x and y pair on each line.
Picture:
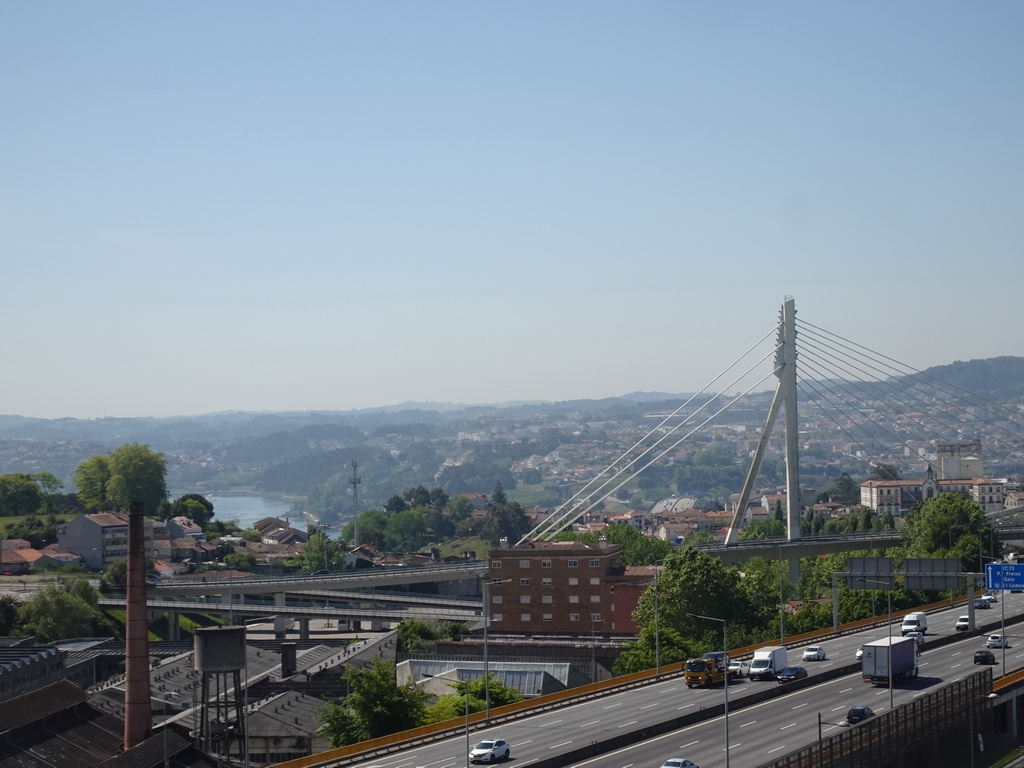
x,y
355,480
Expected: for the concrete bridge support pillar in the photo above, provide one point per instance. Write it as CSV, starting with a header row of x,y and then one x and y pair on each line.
x,y
173,626
279,598
304,629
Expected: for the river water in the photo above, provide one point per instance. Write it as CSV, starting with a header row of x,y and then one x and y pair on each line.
x,y
246,510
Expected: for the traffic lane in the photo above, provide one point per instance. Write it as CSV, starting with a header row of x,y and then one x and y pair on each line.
x,y
769,729
655,703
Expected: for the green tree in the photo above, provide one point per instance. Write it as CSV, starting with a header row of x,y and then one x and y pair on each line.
x,y
376,705
885,472
847,490
690,583
52,613
8,615
320,553
19,495
764,529
195,507
473,693
49,484
948,525
91,478
643,653
240,561
405,531
137,474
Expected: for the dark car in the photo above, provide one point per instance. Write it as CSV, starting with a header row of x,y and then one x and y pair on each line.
x,y
789,674
984,657
980,605
856,714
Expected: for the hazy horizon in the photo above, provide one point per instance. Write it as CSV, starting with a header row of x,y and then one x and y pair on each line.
x,y
333,206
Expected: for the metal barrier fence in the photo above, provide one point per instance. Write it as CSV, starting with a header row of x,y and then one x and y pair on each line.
x,y
885,739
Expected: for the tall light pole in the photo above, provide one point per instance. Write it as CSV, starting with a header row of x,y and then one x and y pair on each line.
x,y
485,583
888,631
725,682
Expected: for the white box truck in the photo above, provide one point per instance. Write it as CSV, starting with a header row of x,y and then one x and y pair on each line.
x,y
767,662
915,622
877,653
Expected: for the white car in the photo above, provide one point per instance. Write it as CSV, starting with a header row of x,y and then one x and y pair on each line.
x,y
678,762
490,751
997,641
860,653
814,653
963,623
988,597
738,668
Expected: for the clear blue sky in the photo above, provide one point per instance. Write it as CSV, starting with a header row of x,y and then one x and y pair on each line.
x,y
211,206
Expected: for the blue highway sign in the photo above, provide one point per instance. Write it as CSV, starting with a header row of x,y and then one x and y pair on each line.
x,y
1004,576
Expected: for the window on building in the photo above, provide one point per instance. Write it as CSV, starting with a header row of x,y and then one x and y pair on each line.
x,y
595,563
524,617
496,617
546,581
547,599
524,563
573,581
574,598
524,582
574,617
548,617
545,563
595,598
595,617
524,599
574,563
495,563
595,580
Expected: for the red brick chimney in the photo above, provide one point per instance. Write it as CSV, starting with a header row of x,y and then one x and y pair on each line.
x,y
137,706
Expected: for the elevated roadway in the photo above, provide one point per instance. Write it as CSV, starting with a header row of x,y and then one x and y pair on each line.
x,y
760,729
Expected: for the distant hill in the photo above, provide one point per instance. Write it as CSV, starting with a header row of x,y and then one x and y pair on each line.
x,y
998,379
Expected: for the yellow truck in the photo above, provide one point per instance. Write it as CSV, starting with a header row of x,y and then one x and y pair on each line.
x,y
709,669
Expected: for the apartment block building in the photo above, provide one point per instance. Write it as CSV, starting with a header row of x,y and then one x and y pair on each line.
x,y
563,587
99,538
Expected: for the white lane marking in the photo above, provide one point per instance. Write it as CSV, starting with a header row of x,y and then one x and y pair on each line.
x,y
655,704
800,705
545,725
787,726
776,749
563,744
750,723
631,722
690,744
846,690
613,706
592,722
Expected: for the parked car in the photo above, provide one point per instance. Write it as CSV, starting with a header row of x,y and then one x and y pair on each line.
x,y
738,668
490,751
789,674
984,657
997,641
678,762
857,714
963,623
814,653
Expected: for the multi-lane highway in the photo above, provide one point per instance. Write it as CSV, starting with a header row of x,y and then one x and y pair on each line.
x,y
758,733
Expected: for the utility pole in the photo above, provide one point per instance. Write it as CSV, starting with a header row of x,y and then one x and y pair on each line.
x,y
355,480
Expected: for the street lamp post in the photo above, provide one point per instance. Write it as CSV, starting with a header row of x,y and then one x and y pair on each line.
x,y
725,682
888,632
485,582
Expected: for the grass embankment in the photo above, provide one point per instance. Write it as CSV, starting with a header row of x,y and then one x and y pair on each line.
x,y
6,523
158,630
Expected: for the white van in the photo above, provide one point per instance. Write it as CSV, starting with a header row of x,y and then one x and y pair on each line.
x,y
914,622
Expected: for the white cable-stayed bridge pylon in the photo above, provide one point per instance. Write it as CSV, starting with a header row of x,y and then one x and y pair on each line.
x,y
587,498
